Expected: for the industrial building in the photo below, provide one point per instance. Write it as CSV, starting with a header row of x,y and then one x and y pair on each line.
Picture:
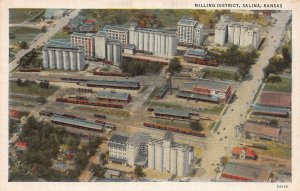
x,y
275,99
270,111
86,40
130,151
113,84
158,42
113,96
166,156
190,32
117,33
171,113
117,149
59,54
77,123
199,56
238,33
240,172
109,50
206,90
261,131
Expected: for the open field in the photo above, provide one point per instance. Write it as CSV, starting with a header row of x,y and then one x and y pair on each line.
x,y
107,111
278,150
218,74
22,34
284,86
20,15
34,89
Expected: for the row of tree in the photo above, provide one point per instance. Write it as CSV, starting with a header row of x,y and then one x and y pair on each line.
x,y
135,68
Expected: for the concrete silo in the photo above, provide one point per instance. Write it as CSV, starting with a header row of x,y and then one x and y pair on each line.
x,y
146,41
66,60
151,42
151,156
109,52
52,60
45,58
141,40
58,55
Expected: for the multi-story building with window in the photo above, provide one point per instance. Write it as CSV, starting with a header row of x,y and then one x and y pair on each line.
x,y
190,32
117,149
60,54
117,33
86,40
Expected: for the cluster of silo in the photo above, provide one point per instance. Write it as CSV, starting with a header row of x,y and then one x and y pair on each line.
x,y
159,42
114,52
63,56
244,34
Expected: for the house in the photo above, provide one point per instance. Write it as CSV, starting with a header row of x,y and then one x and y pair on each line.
x,y
14,113
244,153
21,145
261,131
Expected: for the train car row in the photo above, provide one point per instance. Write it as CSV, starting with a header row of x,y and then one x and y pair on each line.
x,y
99,73
202,61
150,61
107,125
89,102
31,69
174,129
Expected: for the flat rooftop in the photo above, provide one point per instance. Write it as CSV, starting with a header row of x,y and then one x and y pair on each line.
x,y
260,129
195,52
119,139
113,95
208,84
112,83
187,21
90,35
115,28
76,122
173,112
197,96
270,109
247,171
63,44
275,99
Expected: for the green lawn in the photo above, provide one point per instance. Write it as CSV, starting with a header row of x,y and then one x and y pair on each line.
x,y
103,110
61,35
284,86
20,15
34,89
22,34
216,110
219,74
143,89
279,150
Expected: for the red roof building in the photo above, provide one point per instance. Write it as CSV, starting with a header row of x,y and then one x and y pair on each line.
x,y
70,156
14,113
276,99
244,152
89,21
21,145
262,131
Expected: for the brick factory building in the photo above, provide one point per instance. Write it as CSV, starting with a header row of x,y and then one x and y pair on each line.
x,y
276,99
86,40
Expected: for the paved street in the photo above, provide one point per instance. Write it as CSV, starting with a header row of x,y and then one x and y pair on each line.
x,y
43,38
245,94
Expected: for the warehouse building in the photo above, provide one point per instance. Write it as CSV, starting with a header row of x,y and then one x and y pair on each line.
x,y
59,54
239,172
171,113
86,40
270,111
190,32
113,96
206,90
166,156
77,123
158,42
260,131
275,99
113,84
117,33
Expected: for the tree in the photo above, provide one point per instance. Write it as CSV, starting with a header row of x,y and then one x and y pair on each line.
x,y
44,29
195,125
44,84
99,171
224,160
138,172
174,65
244,70
19,82
23,45
274,122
